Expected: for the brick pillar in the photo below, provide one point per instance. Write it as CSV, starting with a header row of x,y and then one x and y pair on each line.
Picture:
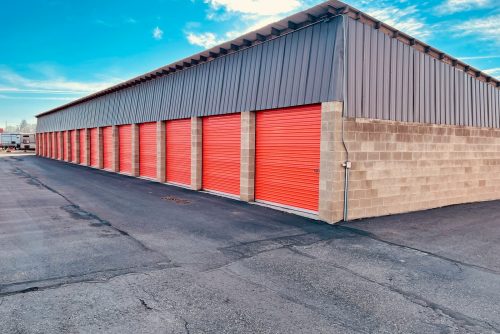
x,y
77,146
100,149
196,153
160,151
116,149
68,146
38,142
87,147
247,156
332,155
60,149
135,150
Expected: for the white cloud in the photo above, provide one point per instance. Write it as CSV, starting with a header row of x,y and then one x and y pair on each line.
x,y
403,19
51,84
157,33
455,6
493,71
205,39
258,7
249,15
486,28
479,57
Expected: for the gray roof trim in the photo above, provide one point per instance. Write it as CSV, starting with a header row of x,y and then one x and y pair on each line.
x,y
289,24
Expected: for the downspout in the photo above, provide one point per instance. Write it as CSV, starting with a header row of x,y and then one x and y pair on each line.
x,y
347,163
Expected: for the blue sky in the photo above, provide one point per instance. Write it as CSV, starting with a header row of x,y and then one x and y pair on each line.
x,y
54,51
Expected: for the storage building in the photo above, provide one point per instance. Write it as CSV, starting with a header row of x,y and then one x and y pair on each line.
x,y
328,112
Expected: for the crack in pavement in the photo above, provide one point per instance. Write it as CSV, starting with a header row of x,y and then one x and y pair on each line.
x,y
456,317
391,243
75,279
77,212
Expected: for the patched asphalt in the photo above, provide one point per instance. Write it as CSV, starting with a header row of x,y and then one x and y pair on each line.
x,y
87,251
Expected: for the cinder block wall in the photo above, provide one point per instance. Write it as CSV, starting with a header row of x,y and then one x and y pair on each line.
x,y
400,167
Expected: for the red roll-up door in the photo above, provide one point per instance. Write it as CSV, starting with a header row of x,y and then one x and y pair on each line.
x,y
221,153
94,147
125,148
287,156
65,145
178,147
147,149
82,146
72,138
107,143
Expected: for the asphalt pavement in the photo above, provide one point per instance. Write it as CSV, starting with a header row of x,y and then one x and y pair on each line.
x,y
88,251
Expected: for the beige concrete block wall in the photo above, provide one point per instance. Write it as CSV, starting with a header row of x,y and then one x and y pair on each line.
x,y
135,150
87,147
68,147
196,153
116,149
161,151
400,167
60,144
100,149
247,157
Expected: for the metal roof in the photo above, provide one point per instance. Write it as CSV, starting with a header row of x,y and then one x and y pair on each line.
x,y
296,21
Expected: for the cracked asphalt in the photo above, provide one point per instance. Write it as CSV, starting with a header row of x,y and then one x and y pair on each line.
x,y
86,251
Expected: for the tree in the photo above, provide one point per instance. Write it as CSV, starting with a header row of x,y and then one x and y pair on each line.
x,y
24,126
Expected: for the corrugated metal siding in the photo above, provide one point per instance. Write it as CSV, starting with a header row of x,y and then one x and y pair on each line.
x,y
387,79
303,67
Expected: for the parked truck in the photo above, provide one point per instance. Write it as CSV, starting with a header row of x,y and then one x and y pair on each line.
x,y
18,141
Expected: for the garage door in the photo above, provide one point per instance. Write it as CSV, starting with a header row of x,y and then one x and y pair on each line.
x,y
221,153
125,148
94,147
107,143
147,150
72,136
65,145
178,163
287,154
82,147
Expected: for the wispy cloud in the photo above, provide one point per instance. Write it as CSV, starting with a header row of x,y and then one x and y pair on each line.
x,y
493,71
157,33
249,15
204,39
11,81
256,7
405,19
485,28
480,57
456,6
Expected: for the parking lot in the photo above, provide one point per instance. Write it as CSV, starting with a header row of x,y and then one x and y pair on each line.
x,y
87,251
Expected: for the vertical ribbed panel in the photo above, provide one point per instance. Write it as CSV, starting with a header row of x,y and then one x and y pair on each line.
x,y
387,79
125,148
302,67
178,151
221,153
287,156
107,146
147,149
